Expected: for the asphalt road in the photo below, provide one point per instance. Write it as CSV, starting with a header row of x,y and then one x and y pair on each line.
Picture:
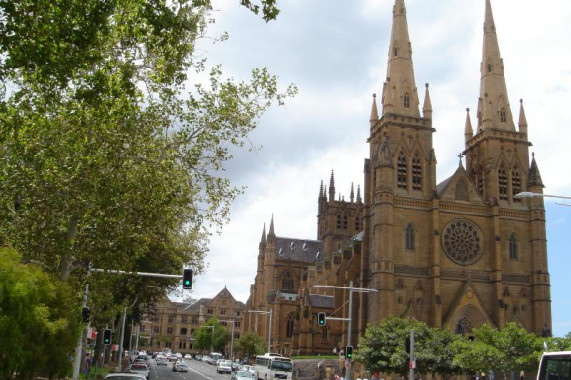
x,y
196,371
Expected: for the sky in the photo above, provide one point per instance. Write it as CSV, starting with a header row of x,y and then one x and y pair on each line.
x,y
335,52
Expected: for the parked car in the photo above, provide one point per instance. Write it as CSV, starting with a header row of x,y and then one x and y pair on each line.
x,y
242,375
236,365
206,358
172,358
140,368
125,376
224,366
180,367
188,356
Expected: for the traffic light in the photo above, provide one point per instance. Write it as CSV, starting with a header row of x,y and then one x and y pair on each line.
x,y
187,279
107,336
85,314
321,319
349,352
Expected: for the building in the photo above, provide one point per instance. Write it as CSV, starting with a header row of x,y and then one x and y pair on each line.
x,y
456,254
173,324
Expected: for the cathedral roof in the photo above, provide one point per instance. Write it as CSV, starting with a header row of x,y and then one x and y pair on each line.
x,y
307,251
320,301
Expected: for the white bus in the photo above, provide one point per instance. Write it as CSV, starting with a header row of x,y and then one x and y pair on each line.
x,y
555,366
273,366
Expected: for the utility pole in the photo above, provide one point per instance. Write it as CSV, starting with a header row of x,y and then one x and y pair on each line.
x,y
349,319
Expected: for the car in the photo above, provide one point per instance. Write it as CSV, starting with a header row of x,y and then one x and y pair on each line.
x,y
179,367
161,360
206,359
224,366
143,356
248,368
236,365
125,376
178,355
172,357
140,368
188,356
242,375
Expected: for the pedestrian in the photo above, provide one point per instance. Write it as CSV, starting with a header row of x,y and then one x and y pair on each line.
x,y
521,375
337,377
87,364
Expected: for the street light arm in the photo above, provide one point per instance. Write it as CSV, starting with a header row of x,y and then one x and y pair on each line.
x,y
529,194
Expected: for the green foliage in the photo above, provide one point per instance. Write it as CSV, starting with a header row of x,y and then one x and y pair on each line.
x,y
211,335
251,344
37,325
511,349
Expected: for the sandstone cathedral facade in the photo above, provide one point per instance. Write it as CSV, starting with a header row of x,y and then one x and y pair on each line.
x,y
456,254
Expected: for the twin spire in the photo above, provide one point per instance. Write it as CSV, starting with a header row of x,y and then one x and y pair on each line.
x,y
400,93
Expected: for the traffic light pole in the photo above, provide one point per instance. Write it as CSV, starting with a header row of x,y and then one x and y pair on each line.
x,y
79,346
349,319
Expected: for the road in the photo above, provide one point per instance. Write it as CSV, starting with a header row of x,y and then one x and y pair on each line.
x,y
196,371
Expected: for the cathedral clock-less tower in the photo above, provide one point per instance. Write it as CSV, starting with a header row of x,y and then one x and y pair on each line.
x,y
466,251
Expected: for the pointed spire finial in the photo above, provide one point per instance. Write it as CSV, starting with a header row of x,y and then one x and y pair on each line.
x,y
374,111
468,131
271,233
332,187
522,119
359,200
352,195
427,108
263,241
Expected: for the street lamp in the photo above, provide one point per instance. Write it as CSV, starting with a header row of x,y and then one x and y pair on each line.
x,y
528,194
232,341
351,290
269,324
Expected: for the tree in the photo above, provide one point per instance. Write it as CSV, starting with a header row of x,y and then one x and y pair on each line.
x,y
107,157
440,353
251,344
211,335
511,349
37,325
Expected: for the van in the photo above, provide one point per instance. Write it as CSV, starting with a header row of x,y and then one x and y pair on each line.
x,y
555,366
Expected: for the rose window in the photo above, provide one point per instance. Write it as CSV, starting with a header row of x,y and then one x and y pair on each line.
x,y
462,242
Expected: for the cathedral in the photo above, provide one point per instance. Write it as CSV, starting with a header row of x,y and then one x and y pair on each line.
x,y
456,254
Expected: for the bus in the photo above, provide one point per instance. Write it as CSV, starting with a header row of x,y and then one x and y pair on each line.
x,y
215,356
273,366
555,366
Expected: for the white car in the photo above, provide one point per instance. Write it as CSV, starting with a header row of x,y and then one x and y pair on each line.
x,y
139,368
224,366
188,356
161,360
125,376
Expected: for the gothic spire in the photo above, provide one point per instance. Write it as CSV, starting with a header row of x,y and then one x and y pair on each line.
x,y
399,91
534,176
332,187
263,241
468,131
522,119
321,193
494,103
352,195
359,200
374,112
271,233
427,108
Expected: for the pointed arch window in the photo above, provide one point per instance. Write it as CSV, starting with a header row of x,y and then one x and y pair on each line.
x,y
503,183
516,184
489,67
401,170
406,100
409,237
416,172
287,282
503,117
357,224
289,326
396,51
513,247
324,332
461,191
345,222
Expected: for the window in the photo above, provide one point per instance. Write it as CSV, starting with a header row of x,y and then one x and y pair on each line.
x,y
183,331
401,170
489,67
156,330
194,320
183,319
513,247
416,173
357,224
480,180
503,183
324,332
209,311
171,318
344,222
338,221
406,100
503,115
237,313
461,191
287,282
409,237
223,311
223,323
237,324
516,184
289,326
396,52
182,345
169,330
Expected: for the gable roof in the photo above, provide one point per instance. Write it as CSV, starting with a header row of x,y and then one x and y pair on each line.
x,y
307,251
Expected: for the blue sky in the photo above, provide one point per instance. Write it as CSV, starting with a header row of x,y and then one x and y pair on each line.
x,y
335,51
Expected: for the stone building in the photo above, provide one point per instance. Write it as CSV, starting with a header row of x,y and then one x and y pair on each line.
x,y
174,323
456,254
